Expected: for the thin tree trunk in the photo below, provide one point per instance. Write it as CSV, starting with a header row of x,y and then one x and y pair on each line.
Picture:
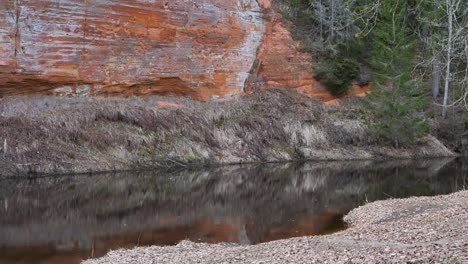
x,y
435,77
449,53
5,147
321,20
17,28
332,27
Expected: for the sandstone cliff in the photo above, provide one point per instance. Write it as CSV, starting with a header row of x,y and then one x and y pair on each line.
x,y
201,49
196,48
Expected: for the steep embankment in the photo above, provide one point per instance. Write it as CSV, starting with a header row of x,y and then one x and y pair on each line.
x,y
74,135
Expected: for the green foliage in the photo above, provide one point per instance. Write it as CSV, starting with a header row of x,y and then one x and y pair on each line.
x,y
392,44
337,71
395,98
396,112
387,43
328,29
296,2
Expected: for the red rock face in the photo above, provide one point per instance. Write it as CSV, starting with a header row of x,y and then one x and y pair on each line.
x,y
196,48
200,49
281,64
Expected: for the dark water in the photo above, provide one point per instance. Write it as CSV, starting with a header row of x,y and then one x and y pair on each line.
x,y
67,219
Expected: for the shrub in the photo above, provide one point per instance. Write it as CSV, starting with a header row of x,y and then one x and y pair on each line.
x,y
338,70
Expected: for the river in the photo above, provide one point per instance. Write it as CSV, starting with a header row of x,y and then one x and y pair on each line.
x,y
64,219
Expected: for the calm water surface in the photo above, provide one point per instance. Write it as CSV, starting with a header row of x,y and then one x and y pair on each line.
x,y
67,219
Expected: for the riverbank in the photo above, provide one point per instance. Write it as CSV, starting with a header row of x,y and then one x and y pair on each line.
x,y
57,135
413,230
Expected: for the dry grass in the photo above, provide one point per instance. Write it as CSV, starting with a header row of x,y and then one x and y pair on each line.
x,y
452,131
75,135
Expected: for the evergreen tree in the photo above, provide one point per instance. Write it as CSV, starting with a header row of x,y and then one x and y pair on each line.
x,y
395,98
337,71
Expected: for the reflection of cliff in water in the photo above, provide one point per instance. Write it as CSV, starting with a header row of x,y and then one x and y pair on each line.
x,y
70,218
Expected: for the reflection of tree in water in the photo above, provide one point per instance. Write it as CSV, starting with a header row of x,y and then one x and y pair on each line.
x,y
249,204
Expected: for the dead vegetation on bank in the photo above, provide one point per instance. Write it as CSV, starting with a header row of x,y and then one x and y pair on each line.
x,y
76,135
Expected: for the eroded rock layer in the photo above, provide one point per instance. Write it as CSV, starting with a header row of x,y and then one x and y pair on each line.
x,y
282,64
196,48
201,49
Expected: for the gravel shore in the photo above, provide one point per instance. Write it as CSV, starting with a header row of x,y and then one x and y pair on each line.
x,y
413,230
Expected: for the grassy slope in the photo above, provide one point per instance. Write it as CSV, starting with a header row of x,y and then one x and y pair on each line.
x,y
75,135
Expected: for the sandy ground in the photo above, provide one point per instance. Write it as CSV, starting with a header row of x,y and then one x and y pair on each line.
x,y
414,230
